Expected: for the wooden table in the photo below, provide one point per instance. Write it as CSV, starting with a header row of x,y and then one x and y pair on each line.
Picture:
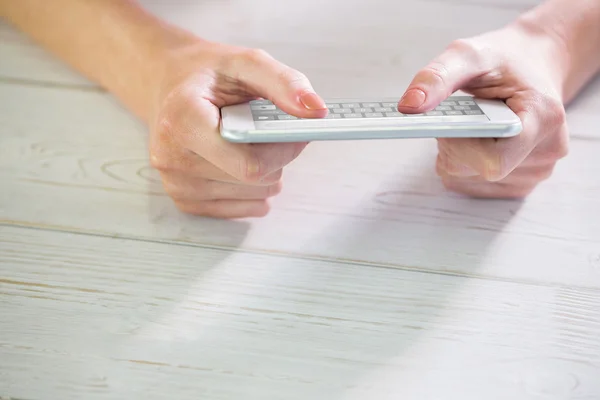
x,y
367,281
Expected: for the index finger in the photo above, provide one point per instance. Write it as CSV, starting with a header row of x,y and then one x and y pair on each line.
x,y
494,159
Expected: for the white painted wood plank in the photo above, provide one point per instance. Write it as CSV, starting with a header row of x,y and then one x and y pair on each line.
x,y
81,164
98,318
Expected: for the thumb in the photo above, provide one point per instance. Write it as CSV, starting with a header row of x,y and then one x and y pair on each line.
x,y
288,89
455,68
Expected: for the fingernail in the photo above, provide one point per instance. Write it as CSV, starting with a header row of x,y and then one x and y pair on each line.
x,y
312,101
414,98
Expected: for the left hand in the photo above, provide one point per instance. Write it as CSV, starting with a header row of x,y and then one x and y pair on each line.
x,y
514,64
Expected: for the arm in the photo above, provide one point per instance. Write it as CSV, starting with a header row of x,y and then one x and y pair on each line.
x,y
576,26
112,42
176,82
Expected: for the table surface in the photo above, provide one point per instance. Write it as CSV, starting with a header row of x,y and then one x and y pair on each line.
x,y
381,285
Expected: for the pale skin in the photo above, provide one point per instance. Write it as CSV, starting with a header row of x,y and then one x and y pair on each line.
x,y
176,82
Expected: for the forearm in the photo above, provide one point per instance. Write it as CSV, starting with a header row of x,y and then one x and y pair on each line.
x,y
112,42
575,24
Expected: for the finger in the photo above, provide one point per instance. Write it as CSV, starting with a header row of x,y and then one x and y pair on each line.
x,y
181,187
446,165
522,176
193,123
459,64
176,160
488,190
494,159
227,209
286,87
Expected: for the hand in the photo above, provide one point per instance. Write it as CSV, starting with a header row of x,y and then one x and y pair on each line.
x,y
512,64
203,173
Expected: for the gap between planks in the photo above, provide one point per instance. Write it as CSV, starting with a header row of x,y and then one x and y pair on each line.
x,y
294,256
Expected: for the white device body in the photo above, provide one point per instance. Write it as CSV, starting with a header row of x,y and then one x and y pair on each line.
x,y
497,121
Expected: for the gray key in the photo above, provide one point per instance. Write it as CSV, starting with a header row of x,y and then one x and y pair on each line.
x,y
263,107
269,112
287,117
454,113
371,105
350,105
393,114
391,105
258,102
334,116
373,115
473,112
353,115
342,110
448,103
333,105
443,108
363,110
466,103
434,113
383,109
462,107
265,117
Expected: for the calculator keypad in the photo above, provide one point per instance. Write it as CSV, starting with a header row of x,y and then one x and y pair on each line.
x,y
264,110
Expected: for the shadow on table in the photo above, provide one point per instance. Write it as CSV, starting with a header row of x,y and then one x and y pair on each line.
x,y
435,241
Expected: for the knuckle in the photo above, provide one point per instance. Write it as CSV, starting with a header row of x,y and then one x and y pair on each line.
x,y
253,56
544,173
438,71
560,146
160,161
556,115
495,168
251,169
290,76
466,48
274,190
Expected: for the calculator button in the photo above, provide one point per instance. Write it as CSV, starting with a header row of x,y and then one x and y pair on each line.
x,y
391,105
353,115
454,113
270,112
448,103
393,114
333,105
383,109
363,110
434,113
265,117
257,102
286,117
342,110
263,107
373,115
473,112
462,107
350,105
466,103
443,108
370,105
334,116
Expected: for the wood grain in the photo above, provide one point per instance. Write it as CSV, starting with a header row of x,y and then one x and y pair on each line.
x,y
95,317
81,164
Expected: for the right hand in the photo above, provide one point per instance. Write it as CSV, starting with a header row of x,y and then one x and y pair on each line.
x,y
203,173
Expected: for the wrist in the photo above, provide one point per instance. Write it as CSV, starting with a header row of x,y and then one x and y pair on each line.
x,y
572,32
